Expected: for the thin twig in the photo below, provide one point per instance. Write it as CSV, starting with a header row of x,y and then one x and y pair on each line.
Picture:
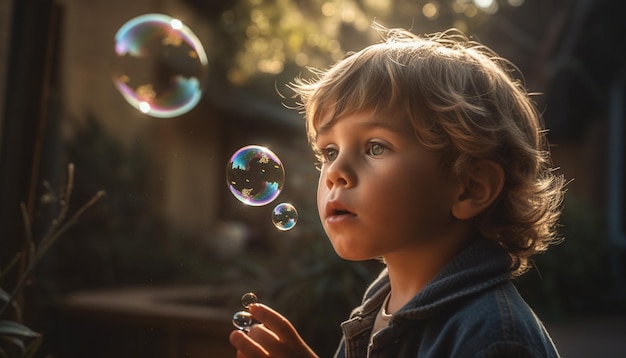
x,y
19,317
65,203
47,242
28,232
18,287
10,266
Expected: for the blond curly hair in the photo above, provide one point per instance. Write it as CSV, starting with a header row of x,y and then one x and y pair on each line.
x,y
465,104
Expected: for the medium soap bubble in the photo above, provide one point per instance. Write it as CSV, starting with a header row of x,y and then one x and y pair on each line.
x,y
255,175
248,299
160,65
243,320
284,216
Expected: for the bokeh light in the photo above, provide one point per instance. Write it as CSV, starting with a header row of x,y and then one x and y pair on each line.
x,y
431,10
159,65
488,6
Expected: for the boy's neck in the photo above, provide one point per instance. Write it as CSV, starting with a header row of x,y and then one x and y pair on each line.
x,y
410,271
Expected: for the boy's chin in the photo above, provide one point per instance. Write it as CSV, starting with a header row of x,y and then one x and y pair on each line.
x,y
351,255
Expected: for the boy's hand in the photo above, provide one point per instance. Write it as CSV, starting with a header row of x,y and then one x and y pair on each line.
x,y
274,337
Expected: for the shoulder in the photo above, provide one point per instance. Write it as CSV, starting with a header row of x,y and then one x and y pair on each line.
x,y
509,349
498,323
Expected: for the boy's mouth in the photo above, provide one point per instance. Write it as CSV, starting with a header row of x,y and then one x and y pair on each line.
x,y
335,209
340,212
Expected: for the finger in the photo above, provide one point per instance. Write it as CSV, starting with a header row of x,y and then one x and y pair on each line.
x,y
266,339
246,346
260,333
275,322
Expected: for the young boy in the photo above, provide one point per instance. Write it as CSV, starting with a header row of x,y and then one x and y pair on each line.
x,y
433,158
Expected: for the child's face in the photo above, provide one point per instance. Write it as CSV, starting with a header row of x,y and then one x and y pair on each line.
x,y
380,191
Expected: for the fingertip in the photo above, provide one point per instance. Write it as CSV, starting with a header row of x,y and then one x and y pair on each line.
x,y
255,308
261,306
235,337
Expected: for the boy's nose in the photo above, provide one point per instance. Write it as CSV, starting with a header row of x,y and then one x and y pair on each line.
x,y
340,173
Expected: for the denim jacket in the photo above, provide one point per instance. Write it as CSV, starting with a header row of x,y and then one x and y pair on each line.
x,y
470,309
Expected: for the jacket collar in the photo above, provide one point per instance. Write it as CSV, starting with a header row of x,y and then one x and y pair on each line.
x,y
481,265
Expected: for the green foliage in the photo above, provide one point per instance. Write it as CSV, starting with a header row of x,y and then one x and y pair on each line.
x,y
17,340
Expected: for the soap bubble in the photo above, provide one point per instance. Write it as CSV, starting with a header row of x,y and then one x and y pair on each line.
x,y
284,216
159,65
255,175
243,320
248,299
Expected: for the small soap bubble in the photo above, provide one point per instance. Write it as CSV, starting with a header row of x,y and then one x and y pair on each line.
x,y
284,216
255,175
159,65
248,299
242,320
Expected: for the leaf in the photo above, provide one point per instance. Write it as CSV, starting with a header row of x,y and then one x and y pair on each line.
x,y
16,342
16,329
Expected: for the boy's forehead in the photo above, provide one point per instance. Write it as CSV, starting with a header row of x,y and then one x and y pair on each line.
x,y
326,120
365,118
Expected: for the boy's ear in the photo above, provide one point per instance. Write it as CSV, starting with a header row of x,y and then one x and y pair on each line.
x,y
479,188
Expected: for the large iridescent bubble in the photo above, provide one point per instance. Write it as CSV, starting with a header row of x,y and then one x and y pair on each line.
x,y
255,175
159,66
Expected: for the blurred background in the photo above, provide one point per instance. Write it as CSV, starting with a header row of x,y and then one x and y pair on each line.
x,y
158,265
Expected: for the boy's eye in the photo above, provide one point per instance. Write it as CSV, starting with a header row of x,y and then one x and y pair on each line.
x,y
329,154
376,149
